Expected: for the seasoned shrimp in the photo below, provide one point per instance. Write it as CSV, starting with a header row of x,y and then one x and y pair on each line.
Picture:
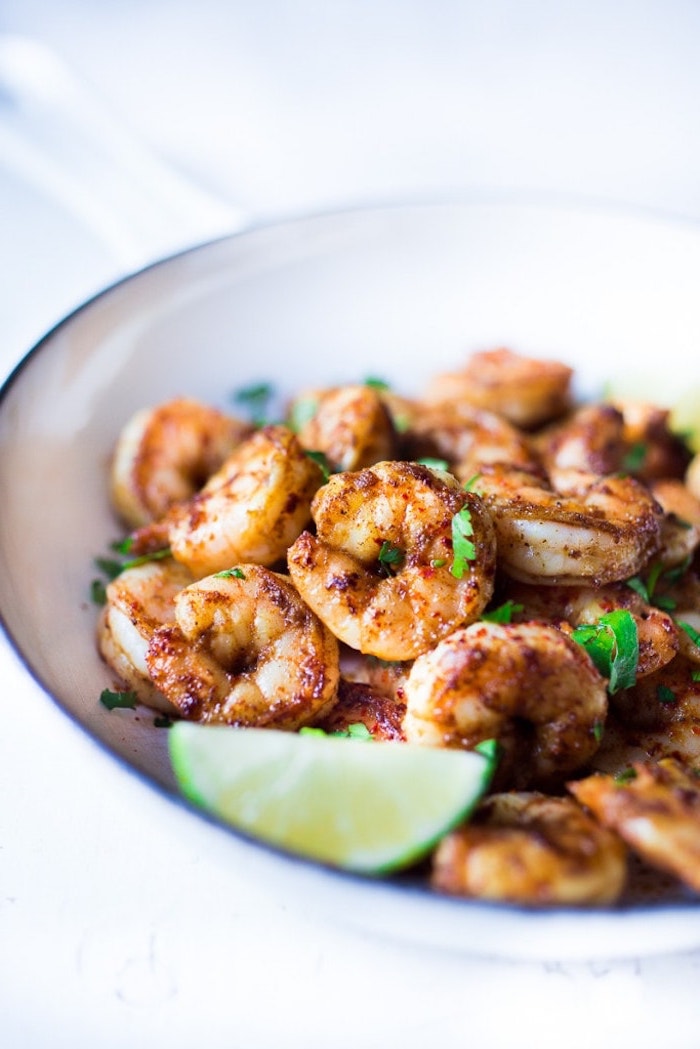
x,y
534,850
251,509
656,810
381,570
165,454
360,704
591,439
139,601
465,436
352,426
597,530
245,650
527,685
680,530
654,450
527,392
658,717
658,636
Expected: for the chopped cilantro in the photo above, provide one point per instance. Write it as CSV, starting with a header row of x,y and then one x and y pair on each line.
x,y
113,700
613,645
438,562
302,412
695,675
98,592
321,460
470,485
463,548
634,457
357,730
162,721
255,399
665,695
692,633
230,573
504,613
376,384
597,731
625,776
390,558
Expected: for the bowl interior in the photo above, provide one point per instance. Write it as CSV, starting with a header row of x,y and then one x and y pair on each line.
x,y
397,293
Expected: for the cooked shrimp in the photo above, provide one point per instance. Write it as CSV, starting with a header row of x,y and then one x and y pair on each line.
x,y
165,454
245,650
381,570
352,426
139,601
656,810
680,530
657,633
599,530
360,704
534,850
654,450
527,685
466,437
251,509
527,392
658,717
591,439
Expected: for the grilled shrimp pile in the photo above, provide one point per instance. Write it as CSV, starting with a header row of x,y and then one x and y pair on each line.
x,y
490,561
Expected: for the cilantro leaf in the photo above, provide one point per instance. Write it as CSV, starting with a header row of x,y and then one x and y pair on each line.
x,y
613,645
504,613
390,558
114,700
463,548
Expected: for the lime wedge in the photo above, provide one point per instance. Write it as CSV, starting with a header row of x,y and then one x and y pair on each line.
x,y
365,806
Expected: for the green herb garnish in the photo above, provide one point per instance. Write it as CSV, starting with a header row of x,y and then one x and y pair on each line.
x,y
504,613
665,695
634,458
230,573
255,399
390,558
321,460
625,776
692,633
613,645
302,412
114,700
376,384
463,548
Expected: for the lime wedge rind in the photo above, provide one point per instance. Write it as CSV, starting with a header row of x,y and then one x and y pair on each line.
x,y
366,807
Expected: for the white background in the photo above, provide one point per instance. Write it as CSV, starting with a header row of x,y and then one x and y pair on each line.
x,y
120,922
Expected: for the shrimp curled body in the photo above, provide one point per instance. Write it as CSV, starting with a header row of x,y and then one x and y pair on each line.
x,y
596,530
251,509
527,685
138,602
531,849
165,454
398,609
245,650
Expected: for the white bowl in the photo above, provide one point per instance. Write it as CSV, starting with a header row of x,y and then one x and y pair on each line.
x,y
398,293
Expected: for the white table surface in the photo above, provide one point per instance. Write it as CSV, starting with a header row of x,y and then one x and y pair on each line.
x,y
121,923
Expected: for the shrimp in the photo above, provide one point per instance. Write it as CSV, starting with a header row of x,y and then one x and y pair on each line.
x,y
591,439
360,704
467,437
655,809
381,570
528,685
680,529
165,454
654,450
526,392
139,601
597,530
657,634
251,509
657,717
351,425
531,849
245,650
